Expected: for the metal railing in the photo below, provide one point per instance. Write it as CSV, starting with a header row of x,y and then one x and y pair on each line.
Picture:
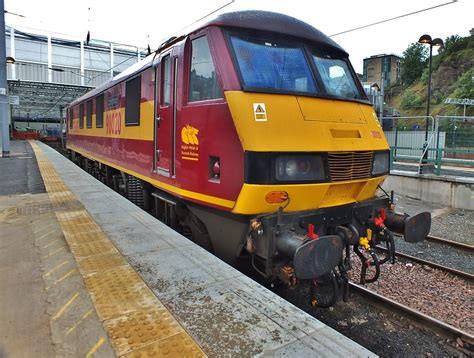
x,y
408,145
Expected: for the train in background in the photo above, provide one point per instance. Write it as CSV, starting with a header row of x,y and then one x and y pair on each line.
x,y
252,136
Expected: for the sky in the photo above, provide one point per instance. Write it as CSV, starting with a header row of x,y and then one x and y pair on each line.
x,y
154,21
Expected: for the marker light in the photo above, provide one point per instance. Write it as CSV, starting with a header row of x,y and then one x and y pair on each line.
x,y
275,197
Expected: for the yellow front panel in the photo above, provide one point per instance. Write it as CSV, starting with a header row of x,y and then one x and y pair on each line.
x,y
331,110
295,123
287,123
305,196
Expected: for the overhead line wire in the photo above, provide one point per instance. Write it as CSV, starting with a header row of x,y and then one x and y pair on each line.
x,y
393,18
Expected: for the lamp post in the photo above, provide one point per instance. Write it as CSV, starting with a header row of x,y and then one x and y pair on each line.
x,y
437,42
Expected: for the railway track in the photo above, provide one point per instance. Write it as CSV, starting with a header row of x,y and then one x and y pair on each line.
x,y
458,245
466,248
427,321
465,275
417,316
425,318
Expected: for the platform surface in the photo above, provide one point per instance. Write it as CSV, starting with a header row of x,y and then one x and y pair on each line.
x,y
91,274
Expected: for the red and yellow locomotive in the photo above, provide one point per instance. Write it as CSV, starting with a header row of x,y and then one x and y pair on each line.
x,y
252,135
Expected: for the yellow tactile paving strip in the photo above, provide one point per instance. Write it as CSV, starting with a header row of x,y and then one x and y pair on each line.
x,y
119,291
141,326
137,323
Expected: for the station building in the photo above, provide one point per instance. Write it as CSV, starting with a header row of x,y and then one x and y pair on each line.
x,y
381,66
49,72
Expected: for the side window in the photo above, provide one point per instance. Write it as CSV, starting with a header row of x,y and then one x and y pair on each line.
x,y
203,84
89,114
81,115
99,111
71,117
165,81
132,101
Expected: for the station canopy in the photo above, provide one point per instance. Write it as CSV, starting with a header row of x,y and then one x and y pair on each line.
x,y
40,101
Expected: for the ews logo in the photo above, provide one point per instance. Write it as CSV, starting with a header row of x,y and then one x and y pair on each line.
x,y
189,135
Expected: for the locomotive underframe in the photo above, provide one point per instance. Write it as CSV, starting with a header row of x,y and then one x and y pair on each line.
x,y
269,260
227,234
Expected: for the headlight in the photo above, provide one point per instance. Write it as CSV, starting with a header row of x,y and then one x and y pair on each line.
x,y
380,164
299,168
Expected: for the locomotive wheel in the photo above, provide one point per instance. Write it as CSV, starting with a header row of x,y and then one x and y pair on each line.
x,y
199,233
324,291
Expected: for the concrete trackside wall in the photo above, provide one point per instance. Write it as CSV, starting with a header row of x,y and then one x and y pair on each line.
x,y
454,192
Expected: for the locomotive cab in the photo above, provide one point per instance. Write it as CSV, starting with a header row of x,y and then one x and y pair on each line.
x,y
314,155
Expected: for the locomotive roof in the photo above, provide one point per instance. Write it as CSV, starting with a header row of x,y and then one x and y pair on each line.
x,y
249,19
276,23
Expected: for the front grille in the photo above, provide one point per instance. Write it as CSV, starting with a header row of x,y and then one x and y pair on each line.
x,y
350,165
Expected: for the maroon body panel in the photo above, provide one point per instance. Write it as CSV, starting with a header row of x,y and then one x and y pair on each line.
x,y
210,120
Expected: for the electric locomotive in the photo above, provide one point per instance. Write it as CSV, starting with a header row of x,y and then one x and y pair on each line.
x,y
252,135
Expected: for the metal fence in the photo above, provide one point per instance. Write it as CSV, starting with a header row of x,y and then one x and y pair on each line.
x,y
449,141
408,143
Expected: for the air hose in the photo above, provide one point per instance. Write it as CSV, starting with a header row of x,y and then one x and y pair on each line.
x,y
390,243
366,264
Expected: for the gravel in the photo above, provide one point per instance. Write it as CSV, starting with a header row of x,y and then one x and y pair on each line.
x,y
436,293
375,327
456,225
446,222
385,333
439,253
389,334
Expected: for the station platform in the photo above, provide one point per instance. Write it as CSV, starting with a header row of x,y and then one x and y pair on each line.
x,y
84,272
453,191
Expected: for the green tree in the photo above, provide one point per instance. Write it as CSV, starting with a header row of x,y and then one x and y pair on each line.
x,y
412,63
410,100
465,85
454,43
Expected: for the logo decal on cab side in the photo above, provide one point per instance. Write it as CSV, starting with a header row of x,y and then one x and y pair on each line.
x,y
190,145
189,135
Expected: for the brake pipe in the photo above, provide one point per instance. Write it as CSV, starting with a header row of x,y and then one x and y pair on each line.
x,y
376,264
379,223
366,264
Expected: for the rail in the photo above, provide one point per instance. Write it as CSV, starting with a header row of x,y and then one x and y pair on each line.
x,y
435,239
431,322
456,244
423,316
465,275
